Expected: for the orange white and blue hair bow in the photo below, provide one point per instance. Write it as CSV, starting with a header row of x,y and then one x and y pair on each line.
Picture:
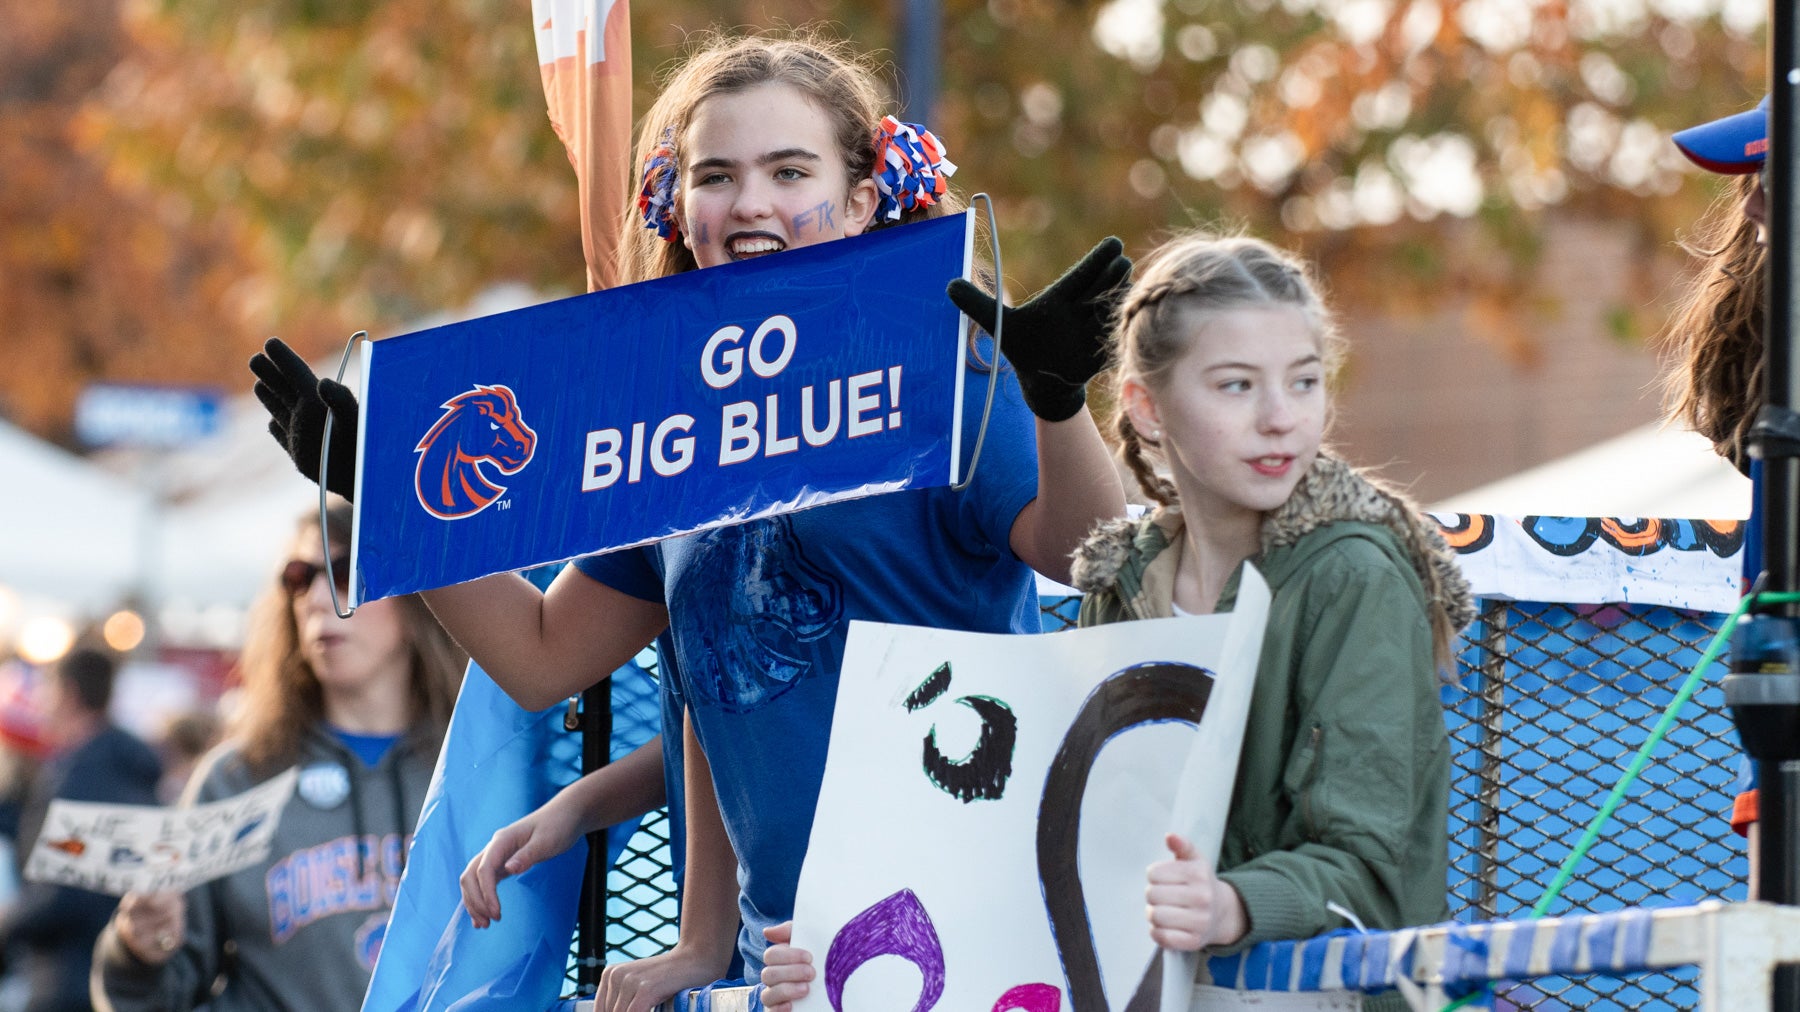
x,y
662,180
910,168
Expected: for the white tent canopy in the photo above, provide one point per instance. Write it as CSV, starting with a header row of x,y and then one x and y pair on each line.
x,y
72,532
84,539
1653,471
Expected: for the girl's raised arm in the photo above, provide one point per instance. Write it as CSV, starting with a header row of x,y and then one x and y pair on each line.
x,y
1077,488
1056,342
544,647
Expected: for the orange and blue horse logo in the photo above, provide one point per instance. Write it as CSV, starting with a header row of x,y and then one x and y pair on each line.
x,y
479,426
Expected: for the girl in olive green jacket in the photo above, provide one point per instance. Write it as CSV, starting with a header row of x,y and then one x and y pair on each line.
x,y
1224,351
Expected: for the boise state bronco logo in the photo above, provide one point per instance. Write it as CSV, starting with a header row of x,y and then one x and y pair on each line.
x,y
479,426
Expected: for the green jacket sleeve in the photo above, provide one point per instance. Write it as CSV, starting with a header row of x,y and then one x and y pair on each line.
x,y
1361,817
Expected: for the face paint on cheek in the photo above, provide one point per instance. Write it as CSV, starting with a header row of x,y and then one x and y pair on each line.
x,y
818,219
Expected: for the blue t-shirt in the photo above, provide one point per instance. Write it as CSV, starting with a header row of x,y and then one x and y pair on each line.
x,y
759,613
370,748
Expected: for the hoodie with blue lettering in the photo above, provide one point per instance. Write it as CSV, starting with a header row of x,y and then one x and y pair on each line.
x,y
301,929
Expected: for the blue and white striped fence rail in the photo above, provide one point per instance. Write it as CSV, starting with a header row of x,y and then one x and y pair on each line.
x,y
1735,945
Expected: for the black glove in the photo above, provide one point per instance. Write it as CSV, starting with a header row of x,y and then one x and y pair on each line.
x,y
297,401
1057,341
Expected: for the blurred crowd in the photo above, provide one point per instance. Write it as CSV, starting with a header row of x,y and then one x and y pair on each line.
x,y
358,705
58,740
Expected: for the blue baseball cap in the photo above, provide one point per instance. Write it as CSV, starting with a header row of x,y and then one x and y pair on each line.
x,y
1734,146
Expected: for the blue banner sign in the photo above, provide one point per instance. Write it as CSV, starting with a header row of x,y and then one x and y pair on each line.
x,y
629,415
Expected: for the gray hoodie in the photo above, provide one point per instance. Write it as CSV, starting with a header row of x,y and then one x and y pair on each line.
x,y
300,930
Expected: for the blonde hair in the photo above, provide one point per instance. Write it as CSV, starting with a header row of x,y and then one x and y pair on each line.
x,y
1716,330
822,69
1198,274
282,700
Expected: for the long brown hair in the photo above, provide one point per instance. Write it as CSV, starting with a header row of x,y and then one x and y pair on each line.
x,y
1716,332
824,70
282,700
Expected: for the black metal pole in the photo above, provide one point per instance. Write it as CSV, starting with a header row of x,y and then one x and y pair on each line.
x,y
1779,769
1763,689
590,917
1781,468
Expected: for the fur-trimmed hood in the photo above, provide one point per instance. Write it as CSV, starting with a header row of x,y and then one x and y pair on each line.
x,y
1331,491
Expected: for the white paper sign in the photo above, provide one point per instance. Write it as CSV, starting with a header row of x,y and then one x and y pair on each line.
x,y
990,805
122,848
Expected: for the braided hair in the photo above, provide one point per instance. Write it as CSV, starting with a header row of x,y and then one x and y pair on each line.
x,y
1187,279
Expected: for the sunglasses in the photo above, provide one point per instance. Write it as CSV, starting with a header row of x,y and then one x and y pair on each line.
x,y
298,575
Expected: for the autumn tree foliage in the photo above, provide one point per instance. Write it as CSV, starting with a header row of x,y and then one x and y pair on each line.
x,y
95,281
198,175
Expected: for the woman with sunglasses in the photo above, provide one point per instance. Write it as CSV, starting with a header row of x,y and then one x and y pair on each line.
x,y
359,705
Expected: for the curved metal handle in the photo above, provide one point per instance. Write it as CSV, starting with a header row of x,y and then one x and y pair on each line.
x,y
987,407
324,469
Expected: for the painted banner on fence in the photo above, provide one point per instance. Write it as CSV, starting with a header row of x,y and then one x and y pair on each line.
x,y
632,414
1025,783
117,849
1691,564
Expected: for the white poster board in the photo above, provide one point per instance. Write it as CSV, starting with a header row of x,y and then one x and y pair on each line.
x,y
990,805
117,849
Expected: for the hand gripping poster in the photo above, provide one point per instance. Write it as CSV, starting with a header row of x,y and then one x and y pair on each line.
x,y
990,805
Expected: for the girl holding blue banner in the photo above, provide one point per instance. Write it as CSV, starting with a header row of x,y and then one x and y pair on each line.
x,y
758,146
1340,804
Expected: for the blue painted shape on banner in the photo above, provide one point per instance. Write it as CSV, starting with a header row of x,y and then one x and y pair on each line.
x,y
633,414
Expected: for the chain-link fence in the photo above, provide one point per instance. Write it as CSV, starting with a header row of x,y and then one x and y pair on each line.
x,y
1552,702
